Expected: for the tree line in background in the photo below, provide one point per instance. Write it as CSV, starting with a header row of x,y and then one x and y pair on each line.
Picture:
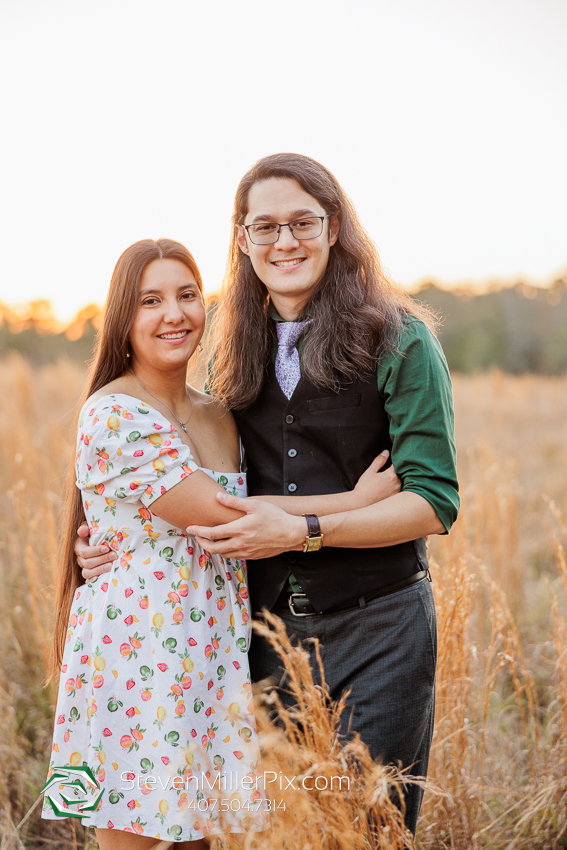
x,y
516,329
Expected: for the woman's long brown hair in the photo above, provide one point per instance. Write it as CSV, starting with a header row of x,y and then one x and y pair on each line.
x,y
357,312
110,360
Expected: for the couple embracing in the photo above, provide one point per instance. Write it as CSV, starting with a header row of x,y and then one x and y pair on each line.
x,y
327,371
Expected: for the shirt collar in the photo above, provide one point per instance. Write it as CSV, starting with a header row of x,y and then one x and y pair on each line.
x,y
273,313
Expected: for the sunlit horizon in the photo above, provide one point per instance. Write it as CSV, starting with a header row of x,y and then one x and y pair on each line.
x,y
42,314
444,123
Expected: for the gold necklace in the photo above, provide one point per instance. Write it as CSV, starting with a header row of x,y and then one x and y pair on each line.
x,y
182,424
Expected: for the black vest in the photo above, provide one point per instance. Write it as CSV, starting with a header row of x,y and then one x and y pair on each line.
x,y
319,442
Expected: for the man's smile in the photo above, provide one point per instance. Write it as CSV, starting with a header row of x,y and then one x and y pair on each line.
x,y
283,264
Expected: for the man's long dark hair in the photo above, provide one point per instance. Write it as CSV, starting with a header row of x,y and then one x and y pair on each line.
x,y
357,312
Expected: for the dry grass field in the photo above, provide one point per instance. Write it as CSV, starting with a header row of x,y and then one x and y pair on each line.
x,y
499,765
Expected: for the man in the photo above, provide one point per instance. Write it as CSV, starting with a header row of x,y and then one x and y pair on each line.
x,y
324,364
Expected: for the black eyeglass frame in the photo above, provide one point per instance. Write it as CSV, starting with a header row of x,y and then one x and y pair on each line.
x,y
287,224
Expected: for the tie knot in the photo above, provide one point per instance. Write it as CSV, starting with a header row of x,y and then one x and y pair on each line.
x,y
289,333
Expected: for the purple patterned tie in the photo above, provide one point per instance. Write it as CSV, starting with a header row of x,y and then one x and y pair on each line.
x,y
288,371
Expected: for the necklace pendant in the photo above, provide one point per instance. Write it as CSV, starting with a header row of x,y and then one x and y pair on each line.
x,y
183,426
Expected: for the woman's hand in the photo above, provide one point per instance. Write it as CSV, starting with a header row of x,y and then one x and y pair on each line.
x,y
93,560
375,485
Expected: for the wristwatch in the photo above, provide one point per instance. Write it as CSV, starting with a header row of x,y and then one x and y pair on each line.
x,y
314,539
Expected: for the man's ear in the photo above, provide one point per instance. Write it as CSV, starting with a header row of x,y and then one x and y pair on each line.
x,y
241,238
334,227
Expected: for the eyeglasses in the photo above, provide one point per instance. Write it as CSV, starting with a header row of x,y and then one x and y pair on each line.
x,y
302,228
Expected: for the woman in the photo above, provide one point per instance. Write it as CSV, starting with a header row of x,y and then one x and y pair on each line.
x,y
155,691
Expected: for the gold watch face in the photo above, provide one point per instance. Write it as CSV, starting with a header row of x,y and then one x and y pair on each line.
x,y
313,544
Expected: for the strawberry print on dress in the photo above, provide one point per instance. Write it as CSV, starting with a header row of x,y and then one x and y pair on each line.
x,y
155,693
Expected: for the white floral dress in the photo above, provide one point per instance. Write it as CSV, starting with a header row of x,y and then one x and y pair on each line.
x,y
155,694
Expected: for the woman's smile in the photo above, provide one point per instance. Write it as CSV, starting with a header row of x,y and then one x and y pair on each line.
x,y
174,336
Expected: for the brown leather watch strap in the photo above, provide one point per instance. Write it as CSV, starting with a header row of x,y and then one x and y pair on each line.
x,y
313,527
314,539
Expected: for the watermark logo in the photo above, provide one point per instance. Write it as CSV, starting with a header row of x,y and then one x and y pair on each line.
x,y
74,792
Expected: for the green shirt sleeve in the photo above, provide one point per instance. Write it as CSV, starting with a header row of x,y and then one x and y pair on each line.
x,y
415,386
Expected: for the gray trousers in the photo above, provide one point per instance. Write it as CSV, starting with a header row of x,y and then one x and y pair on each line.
x,y
385,654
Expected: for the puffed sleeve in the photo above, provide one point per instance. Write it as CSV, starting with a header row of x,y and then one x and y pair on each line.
x,y
127,450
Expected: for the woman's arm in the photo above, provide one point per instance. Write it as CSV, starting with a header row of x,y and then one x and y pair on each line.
x,y
403,517
193,500
372,486
195,496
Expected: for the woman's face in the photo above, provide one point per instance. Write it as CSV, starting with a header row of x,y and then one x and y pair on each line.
x,y
171,316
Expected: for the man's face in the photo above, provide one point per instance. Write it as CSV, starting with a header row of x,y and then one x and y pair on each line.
x,y
290,268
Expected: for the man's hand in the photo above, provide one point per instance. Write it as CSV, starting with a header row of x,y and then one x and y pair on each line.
x,y
93,560
265,531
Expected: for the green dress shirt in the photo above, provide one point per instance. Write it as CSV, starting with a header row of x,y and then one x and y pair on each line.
x,y
415,387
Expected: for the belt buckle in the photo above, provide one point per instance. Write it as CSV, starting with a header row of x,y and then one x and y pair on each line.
x,y
292,609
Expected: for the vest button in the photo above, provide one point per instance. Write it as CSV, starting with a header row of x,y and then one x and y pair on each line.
x,y
292,488
292,452
289,419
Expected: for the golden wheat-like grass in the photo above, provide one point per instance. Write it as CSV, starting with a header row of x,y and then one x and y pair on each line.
x,y
360,812
499,757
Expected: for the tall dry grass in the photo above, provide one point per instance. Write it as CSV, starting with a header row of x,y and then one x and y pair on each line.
x,y
500,583
358,813
500,579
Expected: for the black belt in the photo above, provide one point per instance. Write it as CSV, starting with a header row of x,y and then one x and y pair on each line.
x,y
300,606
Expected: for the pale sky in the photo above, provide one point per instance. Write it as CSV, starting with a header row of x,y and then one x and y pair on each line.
x,y
444,120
